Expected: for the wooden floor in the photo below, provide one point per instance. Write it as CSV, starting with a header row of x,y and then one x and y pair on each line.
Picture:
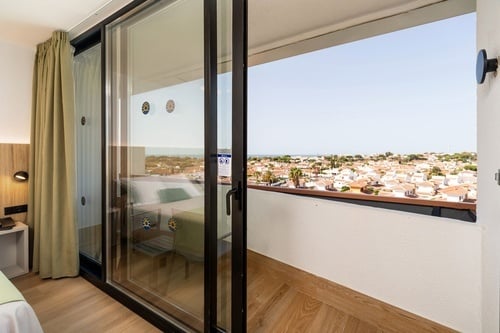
x,y
75,305
280,299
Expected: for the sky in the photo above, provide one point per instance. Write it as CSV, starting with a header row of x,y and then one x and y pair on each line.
x,y
410,91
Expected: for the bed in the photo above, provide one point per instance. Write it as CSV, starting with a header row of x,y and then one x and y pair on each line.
x,y
170,195
171,208
16,315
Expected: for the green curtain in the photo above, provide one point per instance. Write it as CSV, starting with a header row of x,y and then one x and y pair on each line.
x,y
51,213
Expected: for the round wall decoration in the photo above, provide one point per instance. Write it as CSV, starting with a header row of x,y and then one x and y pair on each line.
x,y
145,107
170,106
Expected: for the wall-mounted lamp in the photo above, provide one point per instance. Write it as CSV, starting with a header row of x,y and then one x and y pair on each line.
x,y
21,176
484,65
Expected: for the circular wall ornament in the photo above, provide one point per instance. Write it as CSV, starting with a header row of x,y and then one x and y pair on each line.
x,y
170,106
146,223
145,107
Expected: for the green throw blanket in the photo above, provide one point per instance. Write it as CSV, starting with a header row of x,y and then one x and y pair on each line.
x,y
8,292
190,233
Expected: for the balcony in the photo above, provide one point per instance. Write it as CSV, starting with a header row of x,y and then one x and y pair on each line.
x,y
426,265
316,251
412,258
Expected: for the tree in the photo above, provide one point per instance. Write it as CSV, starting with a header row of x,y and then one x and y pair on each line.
x,y
470,167
269,177
435,171
286,158
345,188
295,174
334,161
368,190
257,175
282,159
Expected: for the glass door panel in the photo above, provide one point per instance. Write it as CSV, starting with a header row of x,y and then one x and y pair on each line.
x,y
170,171
156,159
224,163
87,72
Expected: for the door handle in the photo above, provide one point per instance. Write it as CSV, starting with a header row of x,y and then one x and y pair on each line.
x,y
228,199
237,195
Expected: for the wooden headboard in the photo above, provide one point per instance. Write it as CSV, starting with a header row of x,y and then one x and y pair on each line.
x,y
13,157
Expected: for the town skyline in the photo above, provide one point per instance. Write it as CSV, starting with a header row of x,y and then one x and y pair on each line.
x,y
428,176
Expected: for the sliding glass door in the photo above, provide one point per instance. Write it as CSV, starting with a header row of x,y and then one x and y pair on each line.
x,y
172,200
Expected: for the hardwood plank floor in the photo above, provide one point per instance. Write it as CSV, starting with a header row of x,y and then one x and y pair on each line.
x,y
75,305
328,320
341,309
276,305
281,298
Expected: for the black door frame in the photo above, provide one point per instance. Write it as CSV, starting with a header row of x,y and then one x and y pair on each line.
x,y
211,179
239,167
97,275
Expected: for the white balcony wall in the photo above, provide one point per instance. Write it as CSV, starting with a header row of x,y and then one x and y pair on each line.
x,y
426,265
488,138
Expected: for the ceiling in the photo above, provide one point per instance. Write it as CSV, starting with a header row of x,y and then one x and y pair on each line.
x,y
167,47
29,22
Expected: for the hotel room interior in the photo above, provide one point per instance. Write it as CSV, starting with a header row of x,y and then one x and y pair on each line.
x,y
123,151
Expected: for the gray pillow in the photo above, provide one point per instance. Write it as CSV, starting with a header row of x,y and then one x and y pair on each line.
x,y
172,195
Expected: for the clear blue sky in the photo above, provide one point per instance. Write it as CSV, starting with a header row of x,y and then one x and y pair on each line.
x,y
405,92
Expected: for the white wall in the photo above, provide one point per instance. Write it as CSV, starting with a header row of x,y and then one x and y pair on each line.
x,y
183,129
426,265
488,122
16,70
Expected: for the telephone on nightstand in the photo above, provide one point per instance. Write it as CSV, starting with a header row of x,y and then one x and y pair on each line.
x,y
7,223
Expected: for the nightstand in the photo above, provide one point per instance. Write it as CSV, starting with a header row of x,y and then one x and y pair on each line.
x,y
14,250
